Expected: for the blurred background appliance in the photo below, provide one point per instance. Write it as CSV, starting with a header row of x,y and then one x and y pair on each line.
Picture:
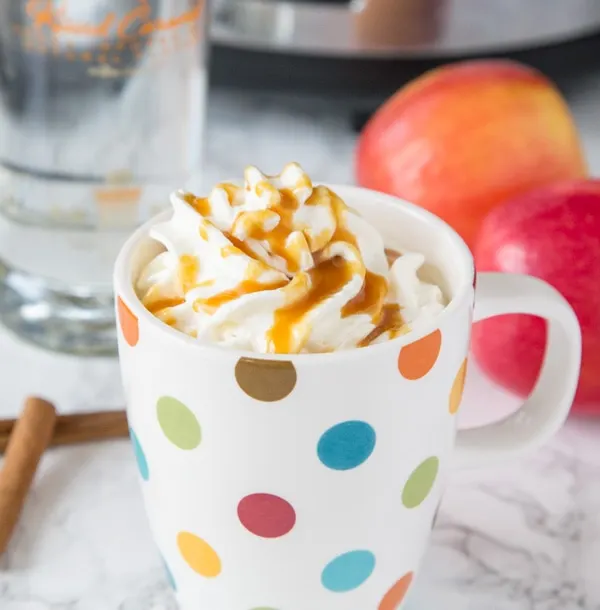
x,y
358,52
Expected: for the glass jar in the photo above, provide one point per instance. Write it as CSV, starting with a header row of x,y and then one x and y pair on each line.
x,y
102,106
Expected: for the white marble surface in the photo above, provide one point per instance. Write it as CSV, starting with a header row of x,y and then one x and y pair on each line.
x,y
524,535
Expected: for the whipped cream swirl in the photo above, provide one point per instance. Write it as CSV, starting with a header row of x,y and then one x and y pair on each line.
x,y
280,266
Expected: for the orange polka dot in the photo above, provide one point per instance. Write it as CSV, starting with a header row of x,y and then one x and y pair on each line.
x,y
129,323
417,359
199,555
457,388
395,596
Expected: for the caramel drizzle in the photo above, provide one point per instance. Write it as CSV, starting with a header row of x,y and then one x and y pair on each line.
x,y
230,250
318,284
370,298
341,232
390,321
232,190
155,307
241,246
212,303
249,285
166,317
326,280
277,237
200,204
188,272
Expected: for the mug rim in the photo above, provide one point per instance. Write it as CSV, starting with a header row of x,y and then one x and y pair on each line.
x,y
123,288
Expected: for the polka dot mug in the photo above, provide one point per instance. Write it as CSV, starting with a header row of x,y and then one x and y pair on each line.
x,y
310,482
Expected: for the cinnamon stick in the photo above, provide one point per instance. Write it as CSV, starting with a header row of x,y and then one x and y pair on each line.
x,y
78,428
29,439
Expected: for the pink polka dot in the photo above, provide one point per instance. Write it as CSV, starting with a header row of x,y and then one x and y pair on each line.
x,y
266,515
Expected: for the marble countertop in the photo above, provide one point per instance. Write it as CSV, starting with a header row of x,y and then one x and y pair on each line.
x,y
524,535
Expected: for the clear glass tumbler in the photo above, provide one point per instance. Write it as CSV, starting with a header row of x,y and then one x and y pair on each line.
x,y
102,106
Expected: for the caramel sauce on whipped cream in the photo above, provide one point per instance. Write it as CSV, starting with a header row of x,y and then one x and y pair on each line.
x,y
316,259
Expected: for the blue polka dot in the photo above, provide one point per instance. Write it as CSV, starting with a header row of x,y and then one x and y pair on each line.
x,y
348,571
170,578
346,445
139,456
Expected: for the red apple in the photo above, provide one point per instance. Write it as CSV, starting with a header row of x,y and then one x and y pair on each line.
x,y
554,234
468,136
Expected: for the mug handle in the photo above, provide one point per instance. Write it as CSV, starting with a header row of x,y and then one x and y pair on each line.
x,y
546,409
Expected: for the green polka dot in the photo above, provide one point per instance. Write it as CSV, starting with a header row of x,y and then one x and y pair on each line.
x,y
420,482
178,423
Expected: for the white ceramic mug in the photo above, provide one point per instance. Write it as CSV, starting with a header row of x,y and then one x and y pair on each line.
x,y
310,482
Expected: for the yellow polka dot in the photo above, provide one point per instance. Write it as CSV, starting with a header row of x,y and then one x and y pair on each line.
x,y
457,388
418,358
265,380
199,555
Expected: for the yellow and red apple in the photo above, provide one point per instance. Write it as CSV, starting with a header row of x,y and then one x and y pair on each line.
x,y
465,137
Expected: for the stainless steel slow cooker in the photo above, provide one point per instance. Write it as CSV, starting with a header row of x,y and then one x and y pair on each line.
x,y
399,28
